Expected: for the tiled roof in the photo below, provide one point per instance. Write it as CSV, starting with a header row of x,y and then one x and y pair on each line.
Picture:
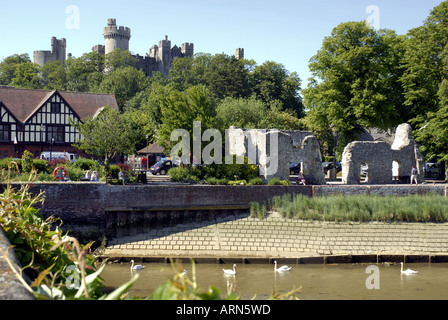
x,y
154,148
23,103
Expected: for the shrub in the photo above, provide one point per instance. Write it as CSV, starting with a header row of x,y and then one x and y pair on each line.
x,y
113,171
27,161
178,174
86,164
216,181
278,182
256,181
41,166
237,182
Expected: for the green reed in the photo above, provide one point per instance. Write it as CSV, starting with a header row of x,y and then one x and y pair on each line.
x,y
412,208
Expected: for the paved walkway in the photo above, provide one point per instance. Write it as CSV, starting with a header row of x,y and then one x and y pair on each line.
x,y
276,237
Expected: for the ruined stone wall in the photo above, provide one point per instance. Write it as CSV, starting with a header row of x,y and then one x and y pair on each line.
x,y
380,156
273,151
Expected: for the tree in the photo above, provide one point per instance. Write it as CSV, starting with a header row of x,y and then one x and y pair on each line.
x,y
9,65
84,74
181,109
53,76
271,81
355,81
26,76
119,59
422,63
124,83
253,113
106,135
432,133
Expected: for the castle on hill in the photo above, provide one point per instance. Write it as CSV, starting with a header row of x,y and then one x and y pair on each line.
x,y
158,59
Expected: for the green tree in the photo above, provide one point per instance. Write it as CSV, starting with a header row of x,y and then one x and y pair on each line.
x,y
355,81
432,133
124,83
119,59
9,65
271,82
26,76
423,65
181,109
107,135
53,76
84,74
252,113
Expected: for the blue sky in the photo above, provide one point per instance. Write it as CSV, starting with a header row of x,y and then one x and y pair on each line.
x,y
285,31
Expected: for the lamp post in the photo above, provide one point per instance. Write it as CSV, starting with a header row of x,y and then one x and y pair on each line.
x,y
42,129
147,153
51,148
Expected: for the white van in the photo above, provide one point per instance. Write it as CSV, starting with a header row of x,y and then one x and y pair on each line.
x,y
47,155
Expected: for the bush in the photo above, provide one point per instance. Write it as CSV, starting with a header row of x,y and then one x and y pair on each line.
x,y
216,181
237,182
256,181
41,166
114,170
86,164
278,182
27,161
178,174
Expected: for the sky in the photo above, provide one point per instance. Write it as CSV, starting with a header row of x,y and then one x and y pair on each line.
x,y
289,32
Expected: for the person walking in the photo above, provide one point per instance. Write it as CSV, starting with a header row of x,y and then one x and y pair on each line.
x,y
414,174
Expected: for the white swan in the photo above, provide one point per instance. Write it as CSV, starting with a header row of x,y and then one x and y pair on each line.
x,y
407,271
230,271
136,267
282,268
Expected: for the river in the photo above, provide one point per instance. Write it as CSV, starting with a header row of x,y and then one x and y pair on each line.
x,y
317,282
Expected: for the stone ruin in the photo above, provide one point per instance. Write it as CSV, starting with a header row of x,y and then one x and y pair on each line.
x,y
273,151
385,162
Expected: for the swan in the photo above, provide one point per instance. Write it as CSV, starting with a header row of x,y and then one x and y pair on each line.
x,y
282,268
136,267
407,271
230,271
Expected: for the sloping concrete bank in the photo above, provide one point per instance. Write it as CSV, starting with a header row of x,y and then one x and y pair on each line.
x,y
245,239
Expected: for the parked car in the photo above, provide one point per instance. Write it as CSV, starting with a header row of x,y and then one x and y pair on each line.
x,y
433,170
330,165
161,167
294,168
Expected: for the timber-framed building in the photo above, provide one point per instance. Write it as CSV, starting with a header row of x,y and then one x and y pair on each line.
x,y
38,120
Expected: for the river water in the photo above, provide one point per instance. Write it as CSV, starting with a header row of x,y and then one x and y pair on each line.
x,y
317,282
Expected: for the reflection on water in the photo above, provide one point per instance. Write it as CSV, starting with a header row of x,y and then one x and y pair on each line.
x,y
318,282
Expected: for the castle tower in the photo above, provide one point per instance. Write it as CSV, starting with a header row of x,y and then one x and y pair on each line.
x,y
239,53
164,56
187,49
57,53
116,37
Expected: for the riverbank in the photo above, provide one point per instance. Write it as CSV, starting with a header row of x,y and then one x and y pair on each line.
x,y
244,239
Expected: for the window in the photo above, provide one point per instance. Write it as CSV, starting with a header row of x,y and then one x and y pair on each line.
x,y
55,107
5,132
56,132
